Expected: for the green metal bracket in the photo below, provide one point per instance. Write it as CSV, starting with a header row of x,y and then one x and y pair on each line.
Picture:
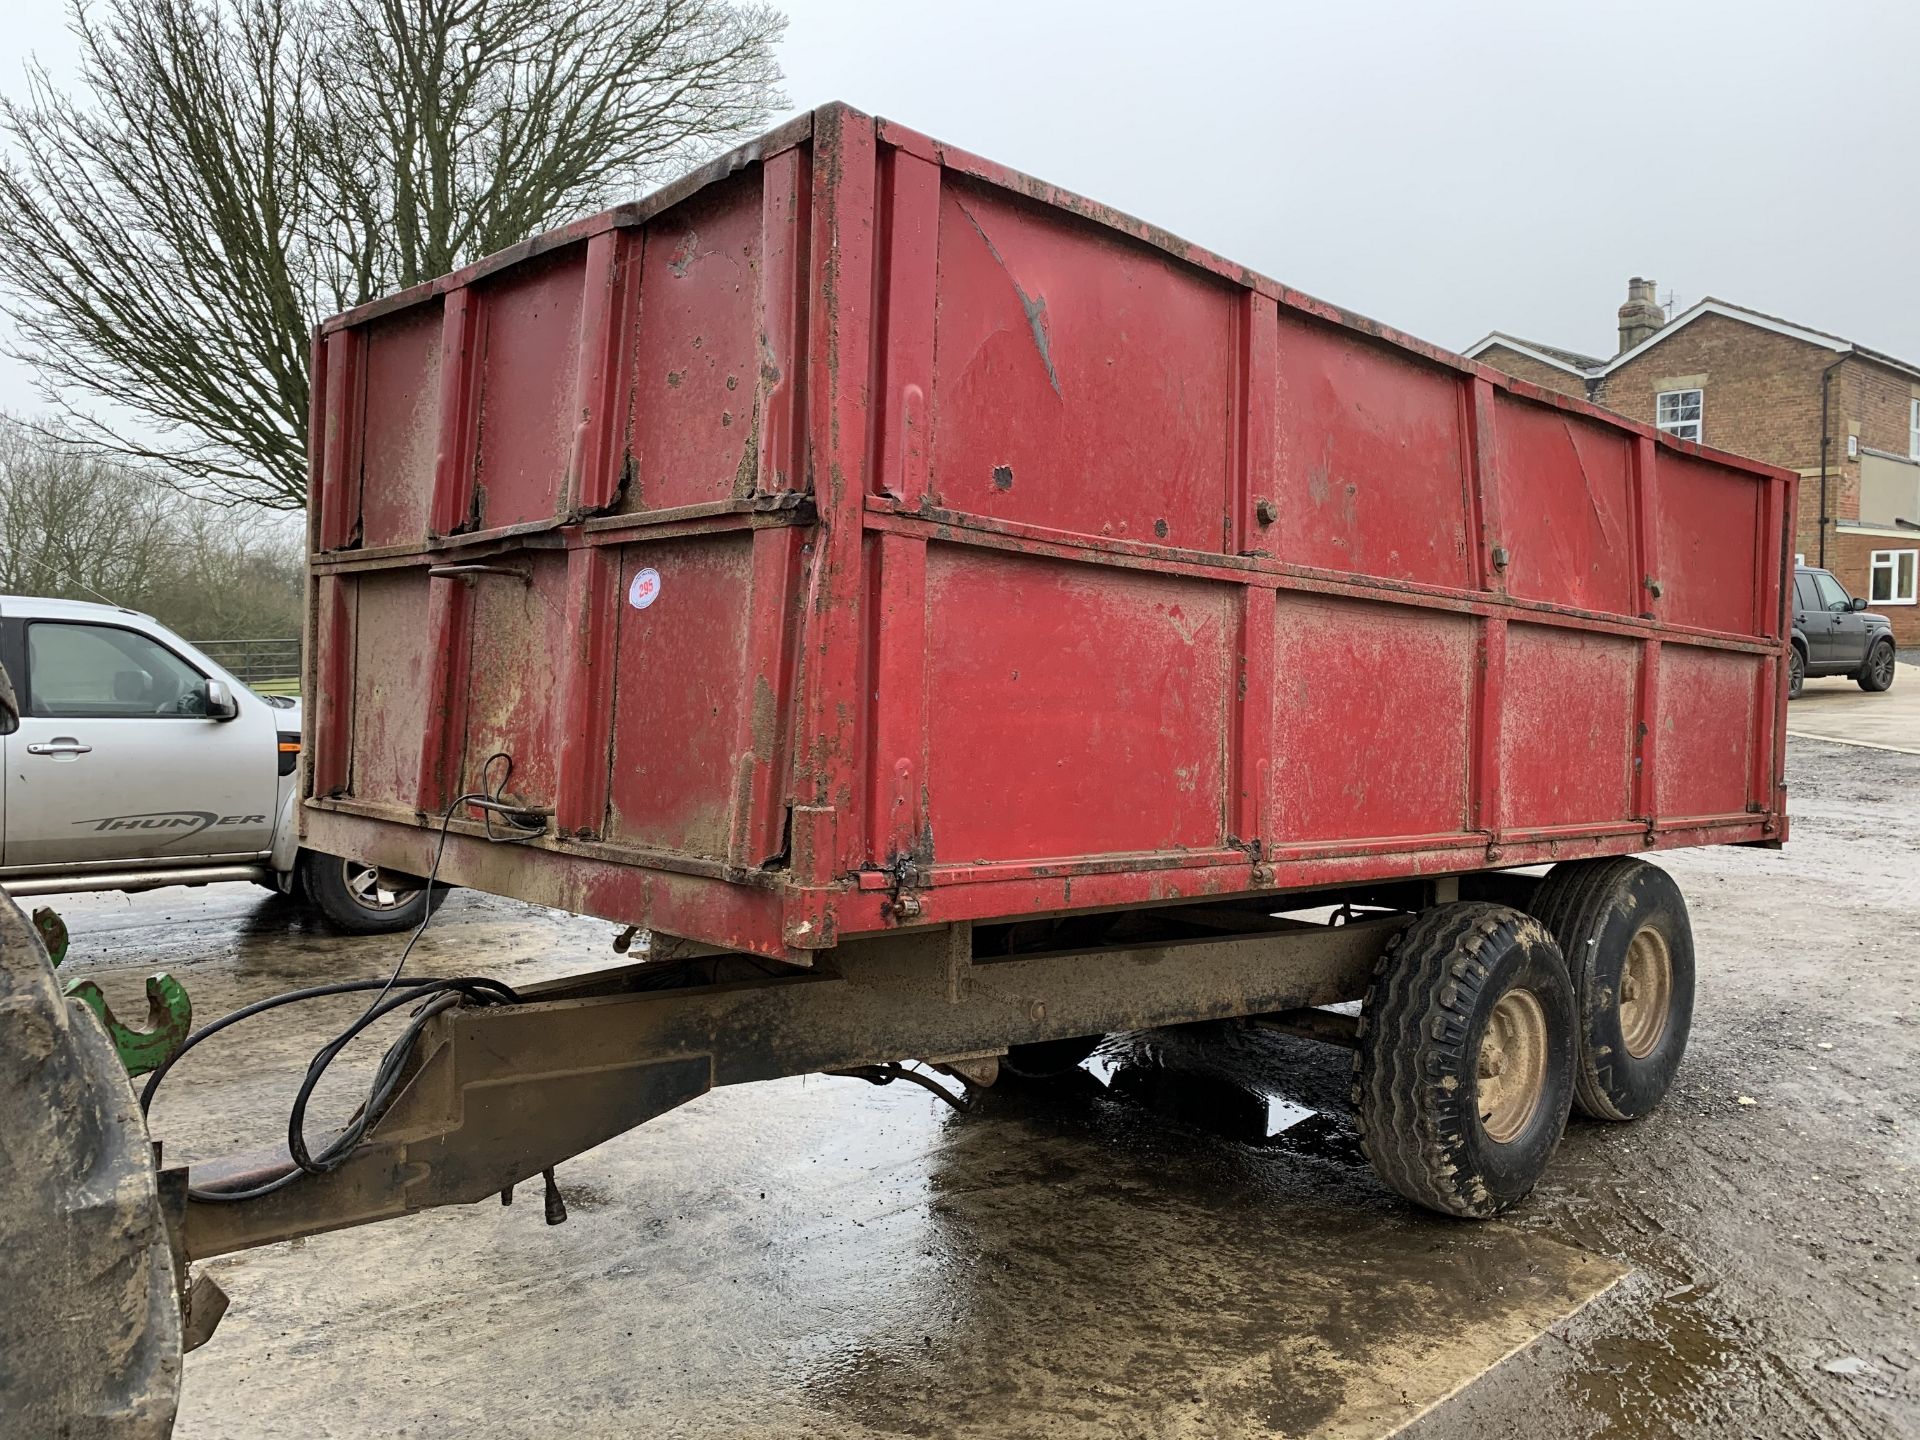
x,y
169,1021
169,1011
52,931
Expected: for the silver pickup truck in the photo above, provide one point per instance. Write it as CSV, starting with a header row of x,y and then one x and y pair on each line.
x,y
140,763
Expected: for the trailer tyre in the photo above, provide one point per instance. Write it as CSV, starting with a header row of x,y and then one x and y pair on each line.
x,y
1464,1073
1623,928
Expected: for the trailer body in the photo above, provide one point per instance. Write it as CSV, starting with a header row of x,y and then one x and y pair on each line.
x,y
859,535
860,548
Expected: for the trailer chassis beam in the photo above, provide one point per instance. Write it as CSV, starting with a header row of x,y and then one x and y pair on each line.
x,y
498,1094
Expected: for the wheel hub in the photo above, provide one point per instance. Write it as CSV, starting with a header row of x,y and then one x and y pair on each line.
x,y
1512,1065
1646,992
376,889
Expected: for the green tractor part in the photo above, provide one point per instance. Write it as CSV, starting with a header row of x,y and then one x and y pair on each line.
x,y
53,932
142,1048
169,1021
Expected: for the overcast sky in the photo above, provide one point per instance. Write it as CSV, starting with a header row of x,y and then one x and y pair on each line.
x,y
1448,168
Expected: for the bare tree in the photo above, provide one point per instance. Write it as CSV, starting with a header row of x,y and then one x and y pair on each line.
x,y
229,171
77,527
72,526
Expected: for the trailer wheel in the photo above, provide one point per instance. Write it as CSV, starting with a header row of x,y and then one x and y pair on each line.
x,y
1623,927
1464,1073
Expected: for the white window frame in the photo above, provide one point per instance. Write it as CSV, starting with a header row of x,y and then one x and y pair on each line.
x,y
1676,423
1913,430
1889,561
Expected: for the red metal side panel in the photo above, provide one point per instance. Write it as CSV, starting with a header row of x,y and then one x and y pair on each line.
x,y
401,439
1570,540
1072,709
529,372
337,523
1566,727
393,657
520,629
697,356
1705,521
1369,477
1080,381
449,640
1370,720
909,221
587,670
1707,732
897,727
829,778
682,693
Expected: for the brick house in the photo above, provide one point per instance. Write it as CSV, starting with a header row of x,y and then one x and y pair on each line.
x,y
1845,417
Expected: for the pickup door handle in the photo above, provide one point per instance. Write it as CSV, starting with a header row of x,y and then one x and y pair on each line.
x,y
62,746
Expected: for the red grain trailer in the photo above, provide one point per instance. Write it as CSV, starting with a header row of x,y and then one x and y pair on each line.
x,y
859,541
858,533
960,621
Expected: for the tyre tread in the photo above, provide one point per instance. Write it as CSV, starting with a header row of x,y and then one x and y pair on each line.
x,y
1569,902
1864,678
1419,1006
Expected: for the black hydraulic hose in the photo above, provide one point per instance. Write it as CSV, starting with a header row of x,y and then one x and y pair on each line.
x,y
247,1012
439,995
445,994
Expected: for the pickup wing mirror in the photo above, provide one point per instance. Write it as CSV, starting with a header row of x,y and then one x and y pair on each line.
x,y
220,702
9,706
1858,602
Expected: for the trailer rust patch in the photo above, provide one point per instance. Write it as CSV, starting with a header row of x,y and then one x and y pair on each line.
x,y
684,256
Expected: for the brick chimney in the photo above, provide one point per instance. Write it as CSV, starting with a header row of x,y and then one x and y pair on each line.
x,y
1640,316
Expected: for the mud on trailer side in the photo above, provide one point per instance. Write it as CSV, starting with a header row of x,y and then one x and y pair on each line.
x,y
960,622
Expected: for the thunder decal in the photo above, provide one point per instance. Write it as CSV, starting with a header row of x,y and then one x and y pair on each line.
x,y
187,822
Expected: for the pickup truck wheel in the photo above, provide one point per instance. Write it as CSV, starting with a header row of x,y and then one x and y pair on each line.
x,y
1796,671
357,897
1623,927
1464,1073
1877,673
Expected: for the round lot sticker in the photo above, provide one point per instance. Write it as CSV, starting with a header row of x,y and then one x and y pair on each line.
x,y
645,588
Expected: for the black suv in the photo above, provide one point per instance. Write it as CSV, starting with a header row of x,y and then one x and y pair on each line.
x,y
1835,634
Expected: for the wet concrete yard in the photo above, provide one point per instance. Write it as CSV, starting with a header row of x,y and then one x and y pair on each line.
x,y
1183,1242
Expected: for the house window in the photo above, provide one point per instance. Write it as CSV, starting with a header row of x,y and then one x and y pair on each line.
x,y
1913,430
1678,413
1895,577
